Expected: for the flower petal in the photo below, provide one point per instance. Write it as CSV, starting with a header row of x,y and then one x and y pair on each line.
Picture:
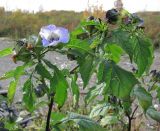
x,y
46,31
63,34
45,42
54,43
50,27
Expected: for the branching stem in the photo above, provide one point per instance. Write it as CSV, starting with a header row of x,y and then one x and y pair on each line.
x,y
130,118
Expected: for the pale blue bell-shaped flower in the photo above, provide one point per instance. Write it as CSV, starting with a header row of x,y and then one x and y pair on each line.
x,y
52,35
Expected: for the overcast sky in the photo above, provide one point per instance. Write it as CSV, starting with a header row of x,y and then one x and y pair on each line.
x,y
78,5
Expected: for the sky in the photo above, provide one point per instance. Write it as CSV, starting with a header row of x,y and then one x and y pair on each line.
x,y
78,5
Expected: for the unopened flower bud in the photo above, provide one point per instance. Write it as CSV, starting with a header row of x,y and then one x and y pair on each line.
x,y
14,58
29,46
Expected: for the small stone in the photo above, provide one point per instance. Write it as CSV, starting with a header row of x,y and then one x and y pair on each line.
x,y
23,114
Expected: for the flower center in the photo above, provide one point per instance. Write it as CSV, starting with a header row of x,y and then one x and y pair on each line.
x,y
53,37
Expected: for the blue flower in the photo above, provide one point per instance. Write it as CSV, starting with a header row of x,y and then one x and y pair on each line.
x,y
52,35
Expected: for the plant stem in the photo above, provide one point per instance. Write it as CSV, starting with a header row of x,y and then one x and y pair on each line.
x,y
130,118
129,123
75,68
49,113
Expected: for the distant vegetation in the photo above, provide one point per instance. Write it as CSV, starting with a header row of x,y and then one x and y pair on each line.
x,y
21,24
152,25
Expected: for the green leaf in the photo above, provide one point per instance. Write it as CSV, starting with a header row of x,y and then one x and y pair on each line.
x,y
127,106
38,45
24,56
101,72
86,23
17,73
75,90
119,82
49,64
8,75
77,31
59,87
122,82
95,42
57,128
86,68
58,84
84,123
143,55
2,98
11,126
114,52
12,90
5,52
136,46
56,117
81,45
155,115
28,95
109,120
100,110
94,92
122,38
42,71
144,98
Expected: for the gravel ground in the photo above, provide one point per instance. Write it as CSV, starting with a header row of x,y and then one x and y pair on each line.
x,y
6,64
